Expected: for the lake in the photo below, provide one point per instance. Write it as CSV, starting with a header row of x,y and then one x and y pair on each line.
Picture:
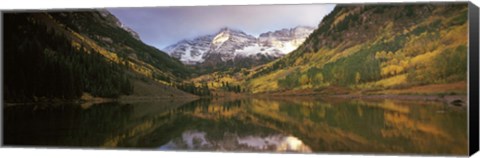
x,y
300,124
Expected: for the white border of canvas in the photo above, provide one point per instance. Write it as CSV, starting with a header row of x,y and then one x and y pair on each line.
x,y
84,153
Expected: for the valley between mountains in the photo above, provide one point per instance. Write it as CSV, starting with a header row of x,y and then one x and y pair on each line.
x,y
413,50
372,78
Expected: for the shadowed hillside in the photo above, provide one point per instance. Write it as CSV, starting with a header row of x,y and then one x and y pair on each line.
x,y
63,55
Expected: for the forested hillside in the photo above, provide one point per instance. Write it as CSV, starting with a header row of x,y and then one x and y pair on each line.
x,y
63,55
105,30
376,48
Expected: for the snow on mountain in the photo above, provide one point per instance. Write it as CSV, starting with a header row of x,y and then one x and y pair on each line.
x,y
230,44
285,40
191,51
227,42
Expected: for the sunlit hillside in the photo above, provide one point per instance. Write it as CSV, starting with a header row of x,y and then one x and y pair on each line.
x,y
373,49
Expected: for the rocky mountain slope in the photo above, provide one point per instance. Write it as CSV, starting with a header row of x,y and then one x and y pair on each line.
x,y
230,45
114,20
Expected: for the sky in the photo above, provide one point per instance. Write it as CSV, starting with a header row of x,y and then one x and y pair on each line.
x,y
163,26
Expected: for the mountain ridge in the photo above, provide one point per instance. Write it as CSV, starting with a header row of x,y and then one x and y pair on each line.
x,y
230,44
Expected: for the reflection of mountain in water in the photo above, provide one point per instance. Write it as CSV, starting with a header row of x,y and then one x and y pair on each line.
x,y
286,124
194,140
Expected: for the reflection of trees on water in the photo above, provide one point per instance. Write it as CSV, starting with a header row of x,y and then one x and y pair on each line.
x,y
205,104
64,125
356,125
321,124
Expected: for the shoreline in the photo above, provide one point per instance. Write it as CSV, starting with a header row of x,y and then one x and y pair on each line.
x,y
98,100
459,100
453,100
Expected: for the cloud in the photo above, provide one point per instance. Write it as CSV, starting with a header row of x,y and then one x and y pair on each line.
x,y
162,26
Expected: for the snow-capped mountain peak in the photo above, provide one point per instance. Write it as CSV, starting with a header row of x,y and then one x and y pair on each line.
x,y
230,44
190,51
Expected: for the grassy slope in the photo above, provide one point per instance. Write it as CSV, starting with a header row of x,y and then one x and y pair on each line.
x,y
148,90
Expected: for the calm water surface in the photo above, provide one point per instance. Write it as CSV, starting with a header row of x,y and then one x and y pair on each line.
x,y
283,125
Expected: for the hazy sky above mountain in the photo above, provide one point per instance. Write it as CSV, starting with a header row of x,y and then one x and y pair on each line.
x,y
163,26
